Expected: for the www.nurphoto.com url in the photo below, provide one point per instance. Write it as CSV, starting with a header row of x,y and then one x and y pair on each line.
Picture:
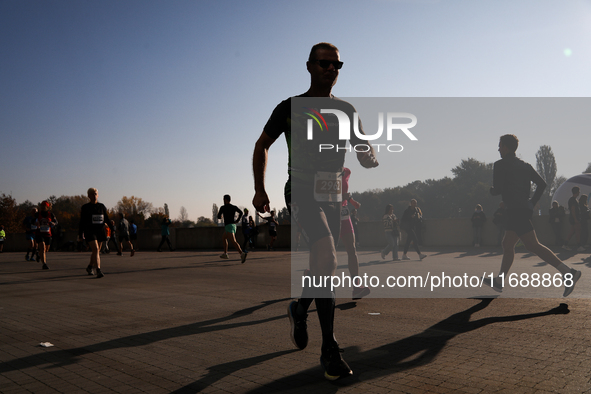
x,y
440,281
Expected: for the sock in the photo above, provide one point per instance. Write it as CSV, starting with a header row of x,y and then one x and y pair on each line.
x,y
325,308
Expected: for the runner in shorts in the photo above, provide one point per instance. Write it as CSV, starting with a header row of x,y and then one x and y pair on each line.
x,y
229,211
132,233
512,178
272,228
124,235
93,220
30,229
45,221
348,236
2,238
314,206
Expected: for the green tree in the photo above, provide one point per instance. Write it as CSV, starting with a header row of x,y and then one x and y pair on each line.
x,y
183,214
202,221
9,214
67,210
134,208
472,180
546,167
214,213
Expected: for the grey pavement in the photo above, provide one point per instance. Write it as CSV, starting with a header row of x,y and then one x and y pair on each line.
x,y
187,321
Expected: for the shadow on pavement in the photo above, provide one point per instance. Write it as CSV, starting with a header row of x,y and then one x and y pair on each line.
x,y
59,358
407,353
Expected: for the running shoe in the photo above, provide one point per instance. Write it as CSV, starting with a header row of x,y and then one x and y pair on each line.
x,y
334,365
360,292
405,257
495,284
46,267
224,256
132,252
299,327
89,270
243,257
576,276
383,255
422,256
119,254
99,273
27,257
395,259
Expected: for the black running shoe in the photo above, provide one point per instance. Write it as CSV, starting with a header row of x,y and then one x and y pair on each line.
x,y
45,266
89,270
299,327
99,273
334,365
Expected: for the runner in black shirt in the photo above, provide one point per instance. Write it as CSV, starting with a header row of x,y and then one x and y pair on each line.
x,y
93,219
512,179
316,209
229,211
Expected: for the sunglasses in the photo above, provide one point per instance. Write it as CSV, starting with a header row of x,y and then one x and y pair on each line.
x,y
326,64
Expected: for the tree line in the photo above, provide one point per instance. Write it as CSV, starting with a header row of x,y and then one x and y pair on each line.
x,y
438,198
67,210
456,196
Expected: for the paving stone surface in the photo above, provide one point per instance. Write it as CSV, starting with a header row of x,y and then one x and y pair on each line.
x,y
188,321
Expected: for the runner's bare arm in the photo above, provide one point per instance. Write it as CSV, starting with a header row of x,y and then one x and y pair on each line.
x,y
259,167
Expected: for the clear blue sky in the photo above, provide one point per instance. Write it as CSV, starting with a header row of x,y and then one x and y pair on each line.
x,y
164,100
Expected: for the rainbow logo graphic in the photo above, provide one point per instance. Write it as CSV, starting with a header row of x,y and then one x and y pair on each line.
x,y
315,115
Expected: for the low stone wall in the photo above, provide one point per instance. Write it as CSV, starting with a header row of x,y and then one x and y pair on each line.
x,y
436,233
456,232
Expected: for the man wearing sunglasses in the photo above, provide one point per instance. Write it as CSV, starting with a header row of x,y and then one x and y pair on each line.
x,y
317,215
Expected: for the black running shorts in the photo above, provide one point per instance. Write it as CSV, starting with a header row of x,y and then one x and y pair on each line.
x,y
519,221
315,220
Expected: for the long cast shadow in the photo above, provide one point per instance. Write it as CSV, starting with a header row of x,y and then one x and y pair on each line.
x,y
416,350
60,358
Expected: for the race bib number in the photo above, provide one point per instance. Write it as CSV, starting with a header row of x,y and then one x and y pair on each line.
x,y
97,219
345,213
328,187
33,227
44,229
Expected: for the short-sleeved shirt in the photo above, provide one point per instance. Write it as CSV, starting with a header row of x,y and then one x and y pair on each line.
x,y
305,158
93,218
512,178
229,211
45,220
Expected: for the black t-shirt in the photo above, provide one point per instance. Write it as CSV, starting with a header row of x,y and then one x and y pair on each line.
x,y
512,178
93,218
29,223
291,117
229,212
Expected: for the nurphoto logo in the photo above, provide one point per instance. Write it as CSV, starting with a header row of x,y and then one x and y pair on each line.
x,y
345,129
